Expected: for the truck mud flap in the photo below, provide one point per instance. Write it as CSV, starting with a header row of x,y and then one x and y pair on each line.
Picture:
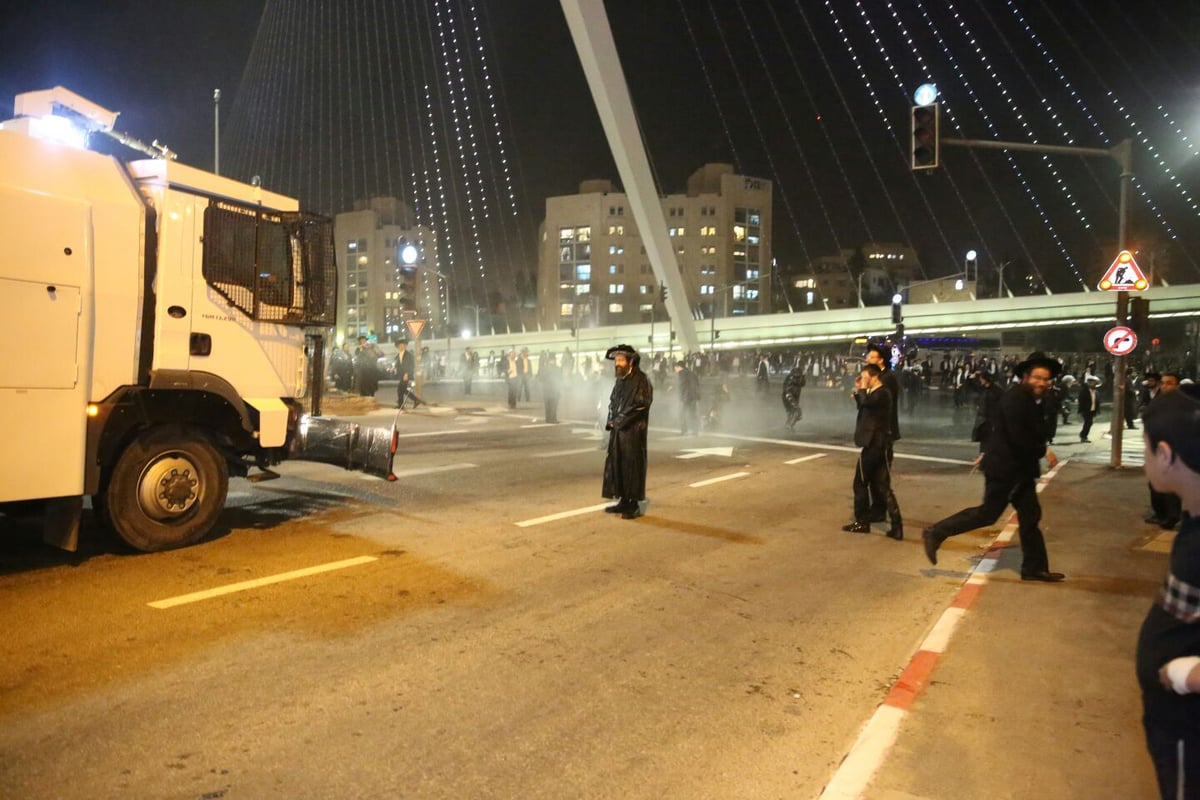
x,y
346,444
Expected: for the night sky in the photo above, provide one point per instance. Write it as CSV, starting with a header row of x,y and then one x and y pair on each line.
x,y
791,105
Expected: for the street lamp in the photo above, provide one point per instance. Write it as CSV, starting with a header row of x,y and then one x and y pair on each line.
x,y
972,261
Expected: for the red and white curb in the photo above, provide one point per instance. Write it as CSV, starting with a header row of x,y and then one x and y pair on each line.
x,y
877,737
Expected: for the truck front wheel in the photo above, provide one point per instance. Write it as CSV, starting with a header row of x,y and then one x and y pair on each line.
x,y
166,490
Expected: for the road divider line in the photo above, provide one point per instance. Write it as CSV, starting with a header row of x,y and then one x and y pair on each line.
x,y
243,586
448,432
806,458
710,481
576,452
560,515
540,425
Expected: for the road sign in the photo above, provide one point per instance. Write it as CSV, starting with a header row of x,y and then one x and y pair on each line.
x,y
1120,341
1123,275
415,326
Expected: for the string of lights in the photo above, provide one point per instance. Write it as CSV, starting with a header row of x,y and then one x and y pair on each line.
x,y
812,104
791,130
780,186
870,88
902,89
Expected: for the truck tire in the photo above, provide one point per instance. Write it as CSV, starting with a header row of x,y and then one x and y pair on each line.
x,y
166,490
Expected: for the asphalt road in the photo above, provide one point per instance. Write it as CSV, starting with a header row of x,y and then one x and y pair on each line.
x,y
483,629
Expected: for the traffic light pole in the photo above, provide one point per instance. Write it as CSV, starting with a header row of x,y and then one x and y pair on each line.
x,y
1122,153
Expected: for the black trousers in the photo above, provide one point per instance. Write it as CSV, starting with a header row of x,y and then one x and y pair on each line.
x,y
1088,416
873,480
997,494
1166,506
688,419
1176,763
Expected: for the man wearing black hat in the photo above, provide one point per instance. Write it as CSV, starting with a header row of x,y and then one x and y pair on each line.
x,y
1012,453
628,420
1168,649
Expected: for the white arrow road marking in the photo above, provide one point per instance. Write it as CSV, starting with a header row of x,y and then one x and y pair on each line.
x,y
727,452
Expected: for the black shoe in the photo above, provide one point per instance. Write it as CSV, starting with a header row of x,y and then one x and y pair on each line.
x,y
857,527
631,512
877,516
932,543
896,531
1168,524
1085,441
616,509
1045,576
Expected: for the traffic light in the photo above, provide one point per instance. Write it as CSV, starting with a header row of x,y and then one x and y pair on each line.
x,y
662,293
1139,315
926,139
406,286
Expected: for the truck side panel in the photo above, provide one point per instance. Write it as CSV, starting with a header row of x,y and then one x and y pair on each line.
x,y
66,216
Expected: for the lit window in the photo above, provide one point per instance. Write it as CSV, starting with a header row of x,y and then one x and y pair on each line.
x,y
583,288
643,289
707,288
645,307
351,245
584,234
583,272
566,309
738,292
808,298
616,288
739,233
616,308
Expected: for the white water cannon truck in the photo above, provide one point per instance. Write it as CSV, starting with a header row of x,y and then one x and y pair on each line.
x,y
163,328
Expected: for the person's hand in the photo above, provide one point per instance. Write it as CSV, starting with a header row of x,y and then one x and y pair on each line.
x,y
1051,459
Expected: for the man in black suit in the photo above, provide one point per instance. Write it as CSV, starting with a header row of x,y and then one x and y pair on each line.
x,y
1089,405
872,433
1011,464
882,507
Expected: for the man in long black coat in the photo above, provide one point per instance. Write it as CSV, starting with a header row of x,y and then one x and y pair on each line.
x,y
628,421
1011,464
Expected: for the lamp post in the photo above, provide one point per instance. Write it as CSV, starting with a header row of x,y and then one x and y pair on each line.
x,y
972,261
216,131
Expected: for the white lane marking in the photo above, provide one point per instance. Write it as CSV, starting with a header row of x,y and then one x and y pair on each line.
x,y
206,594
943,629
411,473
560,515
806,458
567,452
842,448
541,425
710,481
429,433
